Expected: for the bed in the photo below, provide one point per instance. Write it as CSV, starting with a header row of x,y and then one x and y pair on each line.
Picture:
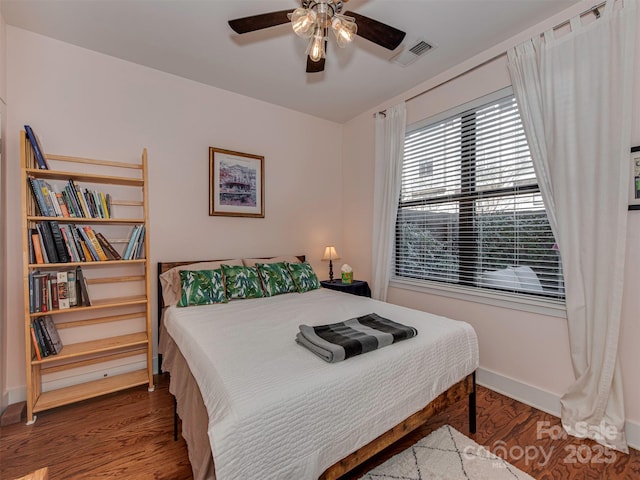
x,y
254,404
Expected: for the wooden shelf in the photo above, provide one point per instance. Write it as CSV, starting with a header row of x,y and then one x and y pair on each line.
x,y
102,345
98,305
62,266
85,177
84,391
126,221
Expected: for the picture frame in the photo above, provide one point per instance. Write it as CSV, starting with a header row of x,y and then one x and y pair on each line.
x,y
634,186
236,184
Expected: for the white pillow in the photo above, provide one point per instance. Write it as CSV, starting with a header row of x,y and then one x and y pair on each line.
x,y
170,280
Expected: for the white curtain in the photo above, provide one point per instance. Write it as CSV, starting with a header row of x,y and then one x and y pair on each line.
x,y
390,130
574,93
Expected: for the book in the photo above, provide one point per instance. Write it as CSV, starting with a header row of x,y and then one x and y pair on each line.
x,y
95,243
36,347
82,202
132,241
37,151
62,205
47,341
107,247
139,243
47,240
52,334
69,243
78,242
36,191
63,290
72,288
44,188
32,252
53,291
40,338
61,249
84,289
93,254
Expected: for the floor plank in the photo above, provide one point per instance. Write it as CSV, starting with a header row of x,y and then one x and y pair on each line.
x,y
130,435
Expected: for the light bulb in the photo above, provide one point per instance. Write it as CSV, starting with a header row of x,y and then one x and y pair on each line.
x,y
344,30
303,20
316,46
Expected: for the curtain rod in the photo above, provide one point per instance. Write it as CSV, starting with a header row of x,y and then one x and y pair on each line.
x,y
595,10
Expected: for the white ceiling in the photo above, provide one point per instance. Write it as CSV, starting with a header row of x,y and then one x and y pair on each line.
x,y
191,39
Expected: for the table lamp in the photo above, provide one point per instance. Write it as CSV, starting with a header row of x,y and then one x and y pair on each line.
x,y
331,255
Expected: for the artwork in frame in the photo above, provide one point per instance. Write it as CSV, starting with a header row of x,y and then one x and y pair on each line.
x,y
634,188
236,184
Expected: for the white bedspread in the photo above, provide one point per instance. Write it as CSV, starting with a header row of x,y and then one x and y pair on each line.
x,y
277,411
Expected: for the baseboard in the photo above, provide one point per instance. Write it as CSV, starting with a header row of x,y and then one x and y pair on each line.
x,y
541,399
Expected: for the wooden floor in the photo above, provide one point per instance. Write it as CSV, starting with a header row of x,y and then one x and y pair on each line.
x,y
130,435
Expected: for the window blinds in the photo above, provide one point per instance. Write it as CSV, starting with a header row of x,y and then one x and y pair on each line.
x,y
470,211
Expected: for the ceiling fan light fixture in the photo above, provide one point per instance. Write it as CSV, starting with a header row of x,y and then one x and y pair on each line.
x,y
303,21
315,50
345,30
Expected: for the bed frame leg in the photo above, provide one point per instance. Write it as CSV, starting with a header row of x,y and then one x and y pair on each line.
x,y
175,419
472,407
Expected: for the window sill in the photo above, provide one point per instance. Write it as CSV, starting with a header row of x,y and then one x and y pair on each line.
x,y
497,299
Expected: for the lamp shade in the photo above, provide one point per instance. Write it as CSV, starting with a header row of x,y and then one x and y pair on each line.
x,y
330,253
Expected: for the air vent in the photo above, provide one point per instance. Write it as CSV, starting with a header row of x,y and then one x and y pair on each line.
x,y
410,54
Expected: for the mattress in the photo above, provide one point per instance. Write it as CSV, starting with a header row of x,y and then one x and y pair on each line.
x,y
277,411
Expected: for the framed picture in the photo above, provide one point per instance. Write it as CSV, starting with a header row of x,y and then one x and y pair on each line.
x,y
236,184
634,188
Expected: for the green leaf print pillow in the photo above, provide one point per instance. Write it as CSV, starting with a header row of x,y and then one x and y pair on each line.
x,y
275,278
242,282
201,287
303,276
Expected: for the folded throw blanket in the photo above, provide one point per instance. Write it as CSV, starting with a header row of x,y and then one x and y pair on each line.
x,y
342,340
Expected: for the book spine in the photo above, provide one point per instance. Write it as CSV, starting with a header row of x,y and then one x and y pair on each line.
x,y
63,290
95,243
69,243
72,201
84,289
52,333
78,242
62,205
36,347
47,198
140,243
72,286
87,242
37,151
81,200
37,195
53,289
45,335
132,241
40,338
106,245
61,249
49,244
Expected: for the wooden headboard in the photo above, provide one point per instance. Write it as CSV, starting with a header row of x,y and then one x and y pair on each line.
x,y
166,266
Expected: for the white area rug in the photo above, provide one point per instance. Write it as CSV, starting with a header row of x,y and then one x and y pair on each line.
x,y
446,454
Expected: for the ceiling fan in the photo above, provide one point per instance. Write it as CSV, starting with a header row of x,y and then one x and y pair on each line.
x,y
314,18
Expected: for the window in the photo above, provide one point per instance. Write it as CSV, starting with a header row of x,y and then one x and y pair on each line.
x,y
470,210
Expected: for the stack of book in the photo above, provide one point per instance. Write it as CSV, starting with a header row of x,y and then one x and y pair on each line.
x,y
57,290
51,242
72,201
44,335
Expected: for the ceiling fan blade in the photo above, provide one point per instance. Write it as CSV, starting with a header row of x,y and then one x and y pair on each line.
x,y
377,32
258,22
315,67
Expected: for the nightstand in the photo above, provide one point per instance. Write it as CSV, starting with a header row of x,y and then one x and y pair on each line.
x,y
357,287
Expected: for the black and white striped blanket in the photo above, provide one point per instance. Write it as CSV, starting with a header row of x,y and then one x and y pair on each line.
x,y
342,340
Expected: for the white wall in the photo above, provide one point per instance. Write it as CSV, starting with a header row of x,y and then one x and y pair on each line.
x,y
524,354
84,103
